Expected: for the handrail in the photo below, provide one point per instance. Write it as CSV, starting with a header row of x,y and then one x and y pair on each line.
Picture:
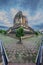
x,y
39,55
5,53
38,58
4,56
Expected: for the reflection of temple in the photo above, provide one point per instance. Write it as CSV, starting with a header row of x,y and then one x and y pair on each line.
x,y
20,20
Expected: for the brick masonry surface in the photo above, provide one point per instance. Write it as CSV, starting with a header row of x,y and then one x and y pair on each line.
x,y
21,64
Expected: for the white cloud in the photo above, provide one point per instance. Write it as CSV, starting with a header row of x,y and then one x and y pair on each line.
x,y
13,12
37,19
4,18
37,16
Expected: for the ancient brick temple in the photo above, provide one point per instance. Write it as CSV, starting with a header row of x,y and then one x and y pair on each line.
x,y
20,20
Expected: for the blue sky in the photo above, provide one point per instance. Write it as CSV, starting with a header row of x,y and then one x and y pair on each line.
x,y
33,9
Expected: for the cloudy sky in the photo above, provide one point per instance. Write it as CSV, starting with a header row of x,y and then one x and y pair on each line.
x,y
33,9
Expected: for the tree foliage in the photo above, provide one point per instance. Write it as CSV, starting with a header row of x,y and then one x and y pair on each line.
x,y
20,32
3,32
36,33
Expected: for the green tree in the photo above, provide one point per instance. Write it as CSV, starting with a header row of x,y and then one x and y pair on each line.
x,y
3,31
20,33
36,33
